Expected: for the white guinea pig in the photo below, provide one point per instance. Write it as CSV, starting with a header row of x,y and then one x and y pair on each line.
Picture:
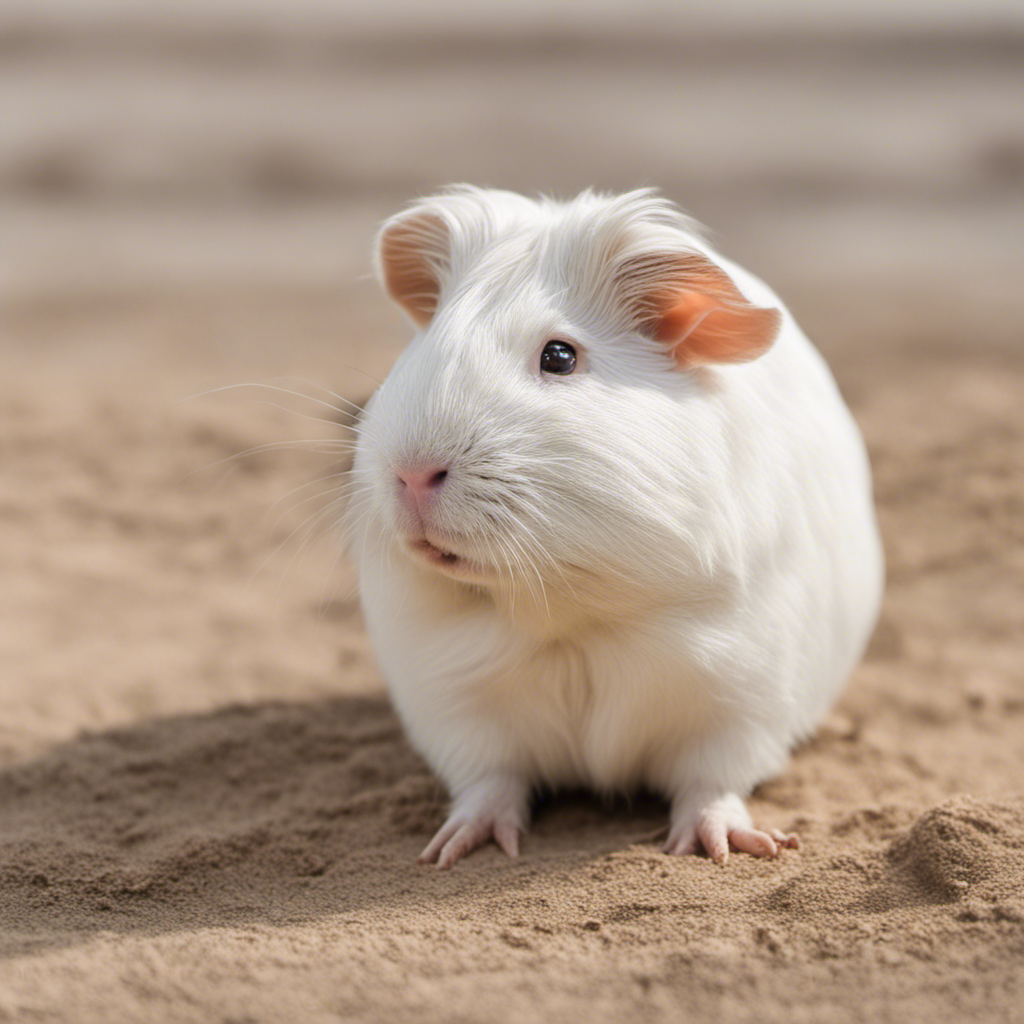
x,y
612,520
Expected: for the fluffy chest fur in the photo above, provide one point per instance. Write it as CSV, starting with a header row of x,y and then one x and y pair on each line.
x,y
610,707
601,710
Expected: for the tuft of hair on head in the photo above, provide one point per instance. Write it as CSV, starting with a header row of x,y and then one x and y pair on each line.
x,y
634,252
645,254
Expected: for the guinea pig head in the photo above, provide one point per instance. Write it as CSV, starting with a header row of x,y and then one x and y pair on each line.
x,y
547,432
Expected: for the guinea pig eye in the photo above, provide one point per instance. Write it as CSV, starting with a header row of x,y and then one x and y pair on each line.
x,y
558,357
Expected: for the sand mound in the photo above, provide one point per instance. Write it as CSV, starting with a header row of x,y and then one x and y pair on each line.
x,y
961,849
966,847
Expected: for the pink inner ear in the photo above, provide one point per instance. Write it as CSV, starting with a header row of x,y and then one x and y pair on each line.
x,y
410,246
708,327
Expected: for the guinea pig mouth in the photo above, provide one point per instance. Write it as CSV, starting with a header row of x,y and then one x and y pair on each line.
x,y
434,553
446,560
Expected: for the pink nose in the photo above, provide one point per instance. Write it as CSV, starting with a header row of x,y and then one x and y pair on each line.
x,y
418,487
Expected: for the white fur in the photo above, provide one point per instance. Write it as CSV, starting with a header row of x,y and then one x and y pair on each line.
x,y
682,566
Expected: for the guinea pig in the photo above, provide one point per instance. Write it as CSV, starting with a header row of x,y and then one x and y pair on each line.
x,y
612,521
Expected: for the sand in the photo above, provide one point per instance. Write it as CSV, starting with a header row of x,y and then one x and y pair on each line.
x,y
231,834
208,811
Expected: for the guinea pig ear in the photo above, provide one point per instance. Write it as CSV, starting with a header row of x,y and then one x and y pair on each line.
x,y
412,255
692,305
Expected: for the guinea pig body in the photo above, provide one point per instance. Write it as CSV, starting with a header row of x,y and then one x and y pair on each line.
x,y
612,519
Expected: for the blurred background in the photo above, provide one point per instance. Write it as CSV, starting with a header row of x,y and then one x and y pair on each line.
x,y
866,158
188,196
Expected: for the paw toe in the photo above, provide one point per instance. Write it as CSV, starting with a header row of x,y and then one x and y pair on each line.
x,y
682,845
719,825
785,840
715,840
506,835
750,840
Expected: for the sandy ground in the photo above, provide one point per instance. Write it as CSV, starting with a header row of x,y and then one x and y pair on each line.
x,y
207,809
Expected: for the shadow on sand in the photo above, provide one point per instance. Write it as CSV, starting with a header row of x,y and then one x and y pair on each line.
x,y
266,813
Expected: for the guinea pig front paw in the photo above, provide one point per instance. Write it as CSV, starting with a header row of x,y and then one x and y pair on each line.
x,y
718,824
494,807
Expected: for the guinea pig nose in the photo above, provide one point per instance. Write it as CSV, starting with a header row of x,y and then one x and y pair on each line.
x,y
423,479
421,484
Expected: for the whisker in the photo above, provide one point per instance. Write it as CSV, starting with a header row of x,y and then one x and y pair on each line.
x,y
299,504
310,523
302,487
268,387
333,446
359,409
323,588
305,523
306,415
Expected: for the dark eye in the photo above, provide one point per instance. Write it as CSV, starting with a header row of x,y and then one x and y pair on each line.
x,y
558,357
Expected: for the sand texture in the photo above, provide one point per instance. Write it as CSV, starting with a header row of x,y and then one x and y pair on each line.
x,y
232,836
208,811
